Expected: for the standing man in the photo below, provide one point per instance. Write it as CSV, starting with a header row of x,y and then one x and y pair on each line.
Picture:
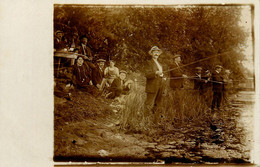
x,y
177,74
154,83
198,83
218,87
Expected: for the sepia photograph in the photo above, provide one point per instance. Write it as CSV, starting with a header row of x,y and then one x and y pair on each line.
x,y
165,84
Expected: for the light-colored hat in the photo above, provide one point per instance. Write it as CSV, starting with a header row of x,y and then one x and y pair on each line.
x,y
122,71
154,48
58,31
218,66
101,60
176,55
198,68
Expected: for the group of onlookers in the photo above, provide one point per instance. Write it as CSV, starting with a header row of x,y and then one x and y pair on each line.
x,y
97,79
89,72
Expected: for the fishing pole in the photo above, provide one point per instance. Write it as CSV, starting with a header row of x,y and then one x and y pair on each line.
x,y
197,61
196,79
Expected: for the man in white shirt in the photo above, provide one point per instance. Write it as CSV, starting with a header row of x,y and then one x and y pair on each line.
x,y
155,82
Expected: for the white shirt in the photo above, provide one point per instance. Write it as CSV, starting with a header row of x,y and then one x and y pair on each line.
x,y
158,65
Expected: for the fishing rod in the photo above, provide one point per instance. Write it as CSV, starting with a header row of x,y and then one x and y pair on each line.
x,y
196,79
197,61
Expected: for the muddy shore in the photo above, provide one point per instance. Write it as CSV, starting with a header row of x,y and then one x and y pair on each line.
x,y
87,129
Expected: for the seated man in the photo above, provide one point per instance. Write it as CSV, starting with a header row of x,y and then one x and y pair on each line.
x,y
82,77
98,73
119,86
59,42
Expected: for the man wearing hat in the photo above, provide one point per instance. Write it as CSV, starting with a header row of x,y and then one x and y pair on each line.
x,y
120,85
218,87
198,82
59,43
155,82
98,72
177,74
84,49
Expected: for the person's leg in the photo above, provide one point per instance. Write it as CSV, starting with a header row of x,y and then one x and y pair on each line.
x,y
149,103
219,100
214,101
157,104
103,83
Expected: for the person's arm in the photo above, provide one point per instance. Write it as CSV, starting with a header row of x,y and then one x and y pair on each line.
x,y
105,72
89,53
117,71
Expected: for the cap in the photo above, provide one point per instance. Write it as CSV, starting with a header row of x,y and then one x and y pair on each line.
x,y
198,68
176,55
122,71
218,66
101,60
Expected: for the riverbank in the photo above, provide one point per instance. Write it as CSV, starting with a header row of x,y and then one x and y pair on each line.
x,y
88,129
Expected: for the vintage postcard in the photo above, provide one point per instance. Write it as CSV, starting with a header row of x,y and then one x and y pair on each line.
x,y
108,83
161,84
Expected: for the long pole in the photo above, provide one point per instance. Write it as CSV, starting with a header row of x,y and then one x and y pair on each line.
x,y
197,61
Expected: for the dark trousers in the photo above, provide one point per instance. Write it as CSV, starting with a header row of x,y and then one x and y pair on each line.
x,y
152,103
217,97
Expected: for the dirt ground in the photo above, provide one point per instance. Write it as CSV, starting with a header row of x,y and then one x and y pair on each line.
x,y
88,129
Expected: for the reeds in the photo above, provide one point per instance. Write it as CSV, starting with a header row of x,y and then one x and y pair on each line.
x,y
177,108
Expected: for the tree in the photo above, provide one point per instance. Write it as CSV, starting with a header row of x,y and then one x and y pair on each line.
x,y
196,32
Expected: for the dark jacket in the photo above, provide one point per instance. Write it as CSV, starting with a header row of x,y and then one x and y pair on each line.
x,y
153,82
97,75
198,82
176,73
217,77
82,76
59,44
87,52
116,88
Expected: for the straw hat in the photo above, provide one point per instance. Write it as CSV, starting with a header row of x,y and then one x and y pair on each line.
x,y
154,48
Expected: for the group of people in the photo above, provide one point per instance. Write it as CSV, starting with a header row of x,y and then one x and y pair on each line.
x,y
156,79
90,73
96,78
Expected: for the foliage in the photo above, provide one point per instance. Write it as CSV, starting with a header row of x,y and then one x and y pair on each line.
x,y
196,32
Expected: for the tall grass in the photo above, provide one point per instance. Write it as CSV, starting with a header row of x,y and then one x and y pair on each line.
x,y
177,108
